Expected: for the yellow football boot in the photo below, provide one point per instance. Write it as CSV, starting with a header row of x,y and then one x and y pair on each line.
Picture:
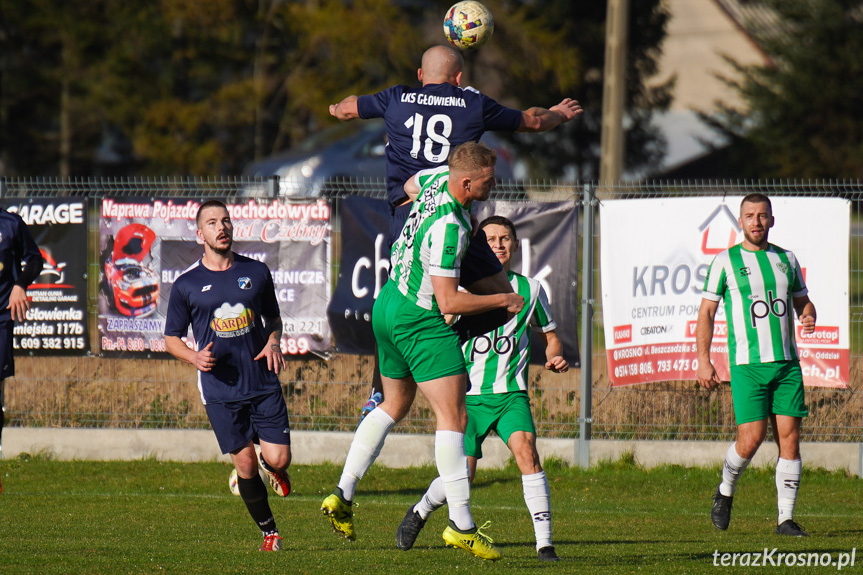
x,y
473,541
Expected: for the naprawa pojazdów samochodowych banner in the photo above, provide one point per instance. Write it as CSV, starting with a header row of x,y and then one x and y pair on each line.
x,y
145,244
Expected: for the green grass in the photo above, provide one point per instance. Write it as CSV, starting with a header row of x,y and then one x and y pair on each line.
x,y
165,517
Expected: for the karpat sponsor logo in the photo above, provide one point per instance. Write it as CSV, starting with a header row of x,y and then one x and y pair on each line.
x,y
233,320
623,334
826,335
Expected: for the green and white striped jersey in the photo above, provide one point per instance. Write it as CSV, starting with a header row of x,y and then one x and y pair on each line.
x,y
497,361
433,240
758,288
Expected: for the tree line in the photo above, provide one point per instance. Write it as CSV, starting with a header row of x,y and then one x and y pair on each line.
x,y
203,87
193,87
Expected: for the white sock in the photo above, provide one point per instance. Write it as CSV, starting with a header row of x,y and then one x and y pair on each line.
x,y
433,498
368,440
787,482
536,496
452,467
731,470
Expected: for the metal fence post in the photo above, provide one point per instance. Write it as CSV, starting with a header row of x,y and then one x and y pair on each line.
x,y
585,419
274,186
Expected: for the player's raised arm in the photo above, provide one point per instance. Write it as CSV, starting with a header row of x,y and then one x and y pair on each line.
x,y
346,109
541,119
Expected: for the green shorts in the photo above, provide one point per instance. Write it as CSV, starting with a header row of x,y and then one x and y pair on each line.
x,y
761,389
412,340
504,413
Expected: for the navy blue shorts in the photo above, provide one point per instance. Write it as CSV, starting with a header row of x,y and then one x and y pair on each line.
x,y
236,423
479,261
7,361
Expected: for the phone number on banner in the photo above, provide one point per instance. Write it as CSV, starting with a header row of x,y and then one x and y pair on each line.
x,y
647,363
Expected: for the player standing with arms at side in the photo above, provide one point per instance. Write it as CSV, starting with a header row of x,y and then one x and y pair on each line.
x,y
417,349
761,284
423,125
20,264
230,302
498,401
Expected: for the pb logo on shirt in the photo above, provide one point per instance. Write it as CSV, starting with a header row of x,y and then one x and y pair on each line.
x,y
759,309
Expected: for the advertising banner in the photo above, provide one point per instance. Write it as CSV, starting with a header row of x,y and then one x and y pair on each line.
x,y
365,265
145,244
547,235
57,321
655,254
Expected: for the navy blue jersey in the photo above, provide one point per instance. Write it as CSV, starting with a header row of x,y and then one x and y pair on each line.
x,y
227,308
16,248
425,123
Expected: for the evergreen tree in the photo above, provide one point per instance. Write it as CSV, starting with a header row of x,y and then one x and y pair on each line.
x,y
803,117
184,87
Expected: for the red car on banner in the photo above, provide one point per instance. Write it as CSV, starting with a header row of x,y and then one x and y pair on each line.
x,y
133,287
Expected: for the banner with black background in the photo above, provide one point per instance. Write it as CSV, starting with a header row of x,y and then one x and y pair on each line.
x,y
547,232
57,321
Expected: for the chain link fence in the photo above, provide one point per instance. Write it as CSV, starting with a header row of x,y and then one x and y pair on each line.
x,y
326,395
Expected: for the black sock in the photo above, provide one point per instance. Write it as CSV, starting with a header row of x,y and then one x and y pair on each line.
x,y
254,494
377,385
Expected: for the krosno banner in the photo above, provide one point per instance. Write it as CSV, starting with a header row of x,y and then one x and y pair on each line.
x,y
655,254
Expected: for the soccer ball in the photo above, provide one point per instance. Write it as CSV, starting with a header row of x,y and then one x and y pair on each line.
x,y
232,483
468,25
232,480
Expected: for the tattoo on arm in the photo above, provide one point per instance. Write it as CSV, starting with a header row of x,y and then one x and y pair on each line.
x,y
274,326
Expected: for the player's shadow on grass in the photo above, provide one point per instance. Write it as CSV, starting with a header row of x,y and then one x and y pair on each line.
x,y
417,491
622,561
839,532
625,542
479,483
410,492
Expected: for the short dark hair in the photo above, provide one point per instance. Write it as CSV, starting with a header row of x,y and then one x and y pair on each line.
x,y
471,156
500,221
209,204
756,198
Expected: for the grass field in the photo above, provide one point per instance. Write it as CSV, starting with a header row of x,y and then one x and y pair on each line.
x,y
157,517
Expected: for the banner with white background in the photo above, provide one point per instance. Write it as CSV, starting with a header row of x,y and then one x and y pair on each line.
x,y
654,258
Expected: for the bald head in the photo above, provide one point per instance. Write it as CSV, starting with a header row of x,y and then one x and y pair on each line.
x,y
441,64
